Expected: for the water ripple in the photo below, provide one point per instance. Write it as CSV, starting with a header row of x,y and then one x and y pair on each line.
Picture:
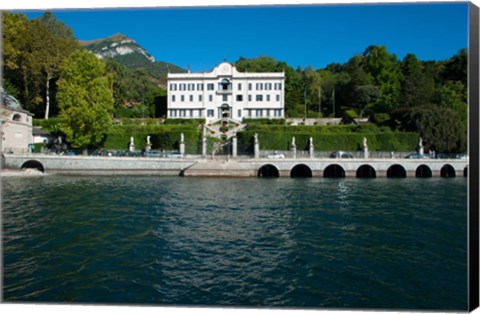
x,y
244,242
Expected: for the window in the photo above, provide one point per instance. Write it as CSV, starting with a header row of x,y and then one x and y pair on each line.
x,y
278,112
268,86
249,97
210,86
17,117
200,97
173,113
182,86
259,86
278,97
191,86
249,86
181,112
200,112
191,113
224,97
259,98
173,86
239,97
268,113
200,86
210,98
182,98
239,113
239,86
225,85
191,98
249,112
259,112
278,86
210,113
173,98
268,97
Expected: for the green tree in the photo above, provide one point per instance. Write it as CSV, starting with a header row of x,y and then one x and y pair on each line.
x,y
20,72
453,95
456,68
418,85
85,99
52,41
387,76
442,129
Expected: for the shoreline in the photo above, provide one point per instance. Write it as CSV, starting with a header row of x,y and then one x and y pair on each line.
x,y
21,173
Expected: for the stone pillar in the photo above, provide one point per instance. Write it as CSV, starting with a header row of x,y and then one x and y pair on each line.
x,y
365,148
311,151
182,145
204,143
256,147
234,146
293,148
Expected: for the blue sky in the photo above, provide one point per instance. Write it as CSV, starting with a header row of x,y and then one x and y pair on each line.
x,y
300,35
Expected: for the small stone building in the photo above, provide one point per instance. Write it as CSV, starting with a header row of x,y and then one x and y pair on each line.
x,y
15,126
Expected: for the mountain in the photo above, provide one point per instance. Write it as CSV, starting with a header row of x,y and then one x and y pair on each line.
x,y
126,51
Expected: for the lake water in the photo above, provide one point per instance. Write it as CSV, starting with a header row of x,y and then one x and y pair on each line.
x,y
335,243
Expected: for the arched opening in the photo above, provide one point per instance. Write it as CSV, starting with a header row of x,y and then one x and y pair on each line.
x,y
396,171
447,171
33,164
268,171
334,171
17,117
225,111
423,171
301,171
465,172
225,85
366,171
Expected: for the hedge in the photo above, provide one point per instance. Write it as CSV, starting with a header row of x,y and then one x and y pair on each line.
x,y
385,141
164,137
316,129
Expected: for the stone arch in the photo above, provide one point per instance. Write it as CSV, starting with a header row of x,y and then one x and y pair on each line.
x,y
423,171
465,171
33,164
366,171
396,171
268,171
447,171
301,171
334,171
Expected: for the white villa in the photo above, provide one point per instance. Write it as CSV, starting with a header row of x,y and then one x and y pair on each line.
x,y
226,93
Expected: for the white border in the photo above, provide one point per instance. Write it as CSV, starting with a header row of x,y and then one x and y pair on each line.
x,y
62,4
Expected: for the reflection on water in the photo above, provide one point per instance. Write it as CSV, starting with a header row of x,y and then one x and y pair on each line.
x,y
247,242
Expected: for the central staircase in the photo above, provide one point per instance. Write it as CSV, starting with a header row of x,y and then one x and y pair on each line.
x,y
224,128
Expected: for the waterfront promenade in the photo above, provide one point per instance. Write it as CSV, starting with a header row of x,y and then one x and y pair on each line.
x,y
223,166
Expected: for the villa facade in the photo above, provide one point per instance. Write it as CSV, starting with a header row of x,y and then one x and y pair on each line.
x,y
225,93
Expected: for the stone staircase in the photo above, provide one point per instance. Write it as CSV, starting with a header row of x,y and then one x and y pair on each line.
x,y
214,128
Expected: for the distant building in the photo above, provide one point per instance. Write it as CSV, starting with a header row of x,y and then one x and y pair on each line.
x,y
226,93
15,126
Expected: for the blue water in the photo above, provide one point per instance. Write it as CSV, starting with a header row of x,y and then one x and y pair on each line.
x,y
335,243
